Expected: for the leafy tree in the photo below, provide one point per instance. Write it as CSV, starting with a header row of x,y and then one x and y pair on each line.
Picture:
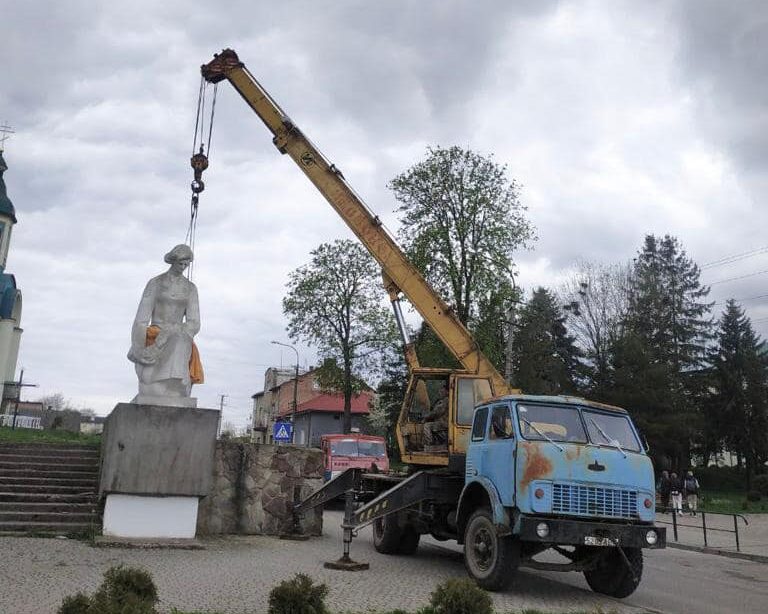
x,y
461,222
738,415
597,299
492,325
334,303
545,358
389,400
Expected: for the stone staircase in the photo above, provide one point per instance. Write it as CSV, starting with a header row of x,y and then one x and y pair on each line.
x,y
49,488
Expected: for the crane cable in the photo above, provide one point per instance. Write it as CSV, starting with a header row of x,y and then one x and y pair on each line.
x,y
199,160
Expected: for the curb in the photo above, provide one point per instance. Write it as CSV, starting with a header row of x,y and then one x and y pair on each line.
x,y
757,558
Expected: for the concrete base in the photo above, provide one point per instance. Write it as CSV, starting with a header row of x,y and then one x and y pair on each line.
x,y
145,399
158,451
137,516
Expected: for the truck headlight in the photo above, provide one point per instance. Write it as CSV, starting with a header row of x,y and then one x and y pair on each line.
x,y
651,537
542,530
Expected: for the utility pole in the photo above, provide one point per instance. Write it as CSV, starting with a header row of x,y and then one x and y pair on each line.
x,y
295,390
221,411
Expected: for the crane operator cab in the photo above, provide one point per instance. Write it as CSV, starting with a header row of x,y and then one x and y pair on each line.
x,y
437,414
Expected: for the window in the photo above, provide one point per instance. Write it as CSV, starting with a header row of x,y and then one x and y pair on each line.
x,y
555,422
372,448
501,423
472,392
478,428
610,429
426,393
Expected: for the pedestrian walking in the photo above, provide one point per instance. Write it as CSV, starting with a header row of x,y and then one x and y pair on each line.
x,y
691,490
663,487
676,492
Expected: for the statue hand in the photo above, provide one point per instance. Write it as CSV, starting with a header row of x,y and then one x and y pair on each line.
x,y
161,339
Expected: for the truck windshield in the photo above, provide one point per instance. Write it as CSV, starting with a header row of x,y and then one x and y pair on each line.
x,y
607,429
551,422
353,447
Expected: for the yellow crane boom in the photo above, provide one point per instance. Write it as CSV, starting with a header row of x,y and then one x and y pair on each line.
x,y
399,273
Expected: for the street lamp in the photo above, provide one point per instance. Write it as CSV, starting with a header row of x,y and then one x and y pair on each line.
x,y
295,387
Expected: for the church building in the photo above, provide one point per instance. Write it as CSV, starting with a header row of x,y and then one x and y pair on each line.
x,y
10,298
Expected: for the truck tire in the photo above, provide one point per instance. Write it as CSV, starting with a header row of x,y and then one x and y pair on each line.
x,y
491,560
390,538
409,540
612,577
386,535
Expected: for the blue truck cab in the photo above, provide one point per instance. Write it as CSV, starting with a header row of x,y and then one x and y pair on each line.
x,y
557,473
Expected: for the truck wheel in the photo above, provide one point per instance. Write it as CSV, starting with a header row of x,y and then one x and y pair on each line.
x,y
612,577
409,541
491,560
386,535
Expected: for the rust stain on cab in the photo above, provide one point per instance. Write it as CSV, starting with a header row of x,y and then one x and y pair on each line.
x,y
536,465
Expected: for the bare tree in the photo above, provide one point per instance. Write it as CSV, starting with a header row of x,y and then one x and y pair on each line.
x,y
596,298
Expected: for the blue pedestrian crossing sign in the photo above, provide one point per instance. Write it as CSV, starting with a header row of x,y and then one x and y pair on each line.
x,y
282,431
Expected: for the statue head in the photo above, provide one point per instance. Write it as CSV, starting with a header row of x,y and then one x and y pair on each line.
x,y
179,257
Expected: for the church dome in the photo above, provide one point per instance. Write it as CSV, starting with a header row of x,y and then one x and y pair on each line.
x,y
6,206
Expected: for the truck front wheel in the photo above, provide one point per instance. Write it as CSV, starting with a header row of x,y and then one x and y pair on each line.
x,y
490,559
611,575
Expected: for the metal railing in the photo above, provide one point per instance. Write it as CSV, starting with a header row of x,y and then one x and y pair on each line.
x,y
703,526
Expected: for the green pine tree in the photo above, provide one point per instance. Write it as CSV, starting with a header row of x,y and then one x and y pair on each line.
x,y
545,357
659,361
738,415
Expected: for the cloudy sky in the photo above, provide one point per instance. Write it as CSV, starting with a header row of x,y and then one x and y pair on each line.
x,y
618,118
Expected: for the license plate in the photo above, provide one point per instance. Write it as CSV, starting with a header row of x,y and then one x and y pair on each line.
x,y
591,540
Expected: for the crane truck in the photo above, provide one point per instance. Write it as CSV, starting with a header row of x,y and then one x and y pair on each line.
x,y
513,475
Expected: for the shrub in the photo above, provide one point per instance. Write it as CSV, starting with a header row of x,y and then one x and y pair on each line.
x,y
460,596
753,496
76,604
719,478
298,596
125,590
760,484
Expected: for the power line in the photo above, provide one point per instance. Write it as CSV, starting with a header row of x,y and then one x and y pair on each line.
x,y
742,300
722,281
735,257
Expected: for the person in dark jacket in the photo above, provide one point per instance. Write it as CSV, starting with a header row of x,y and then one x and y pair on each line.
x,y
691,491
664,487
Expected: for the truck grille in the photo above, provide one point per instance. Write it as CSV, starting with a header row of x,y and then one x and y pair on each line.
x,y
594,501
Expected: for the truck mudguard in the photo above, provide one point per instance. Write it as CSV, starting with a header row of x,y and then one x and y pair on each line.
x,y
478,493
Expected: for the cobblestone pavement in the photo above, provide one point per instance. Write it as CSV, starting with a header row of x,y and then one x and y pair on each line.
x,y
753,537
235,574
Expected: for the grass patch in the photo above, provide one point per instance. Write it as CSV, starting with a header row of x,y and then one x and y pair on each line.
x,y
9,435
729,502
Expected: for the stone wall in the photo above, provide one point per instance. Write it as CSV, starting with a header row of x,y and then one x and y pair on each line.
x,y
253,489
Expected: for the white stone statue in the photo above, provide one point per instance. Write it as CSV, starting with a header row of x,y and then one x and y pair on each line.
x,y
167,361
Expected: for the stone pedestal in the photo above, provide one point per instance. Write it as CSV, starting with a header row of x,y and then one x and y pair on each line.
x,y
156,465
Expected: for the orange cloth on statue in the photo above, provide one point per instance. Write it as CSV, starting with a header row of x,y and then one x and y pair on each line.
x,y
196,374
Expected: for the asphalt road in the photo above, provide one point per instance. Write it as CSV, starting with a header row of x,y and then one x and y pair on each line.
x,y
674,582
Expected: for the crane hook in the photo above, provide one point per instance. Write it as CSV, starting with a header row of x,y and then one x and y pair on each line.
x,y
199,163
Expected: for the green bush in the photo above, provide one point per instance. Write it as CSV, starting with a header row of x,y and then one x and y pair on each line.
x,y
76,604
298,596
754,496
460,596
760,484
724,479
125,590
